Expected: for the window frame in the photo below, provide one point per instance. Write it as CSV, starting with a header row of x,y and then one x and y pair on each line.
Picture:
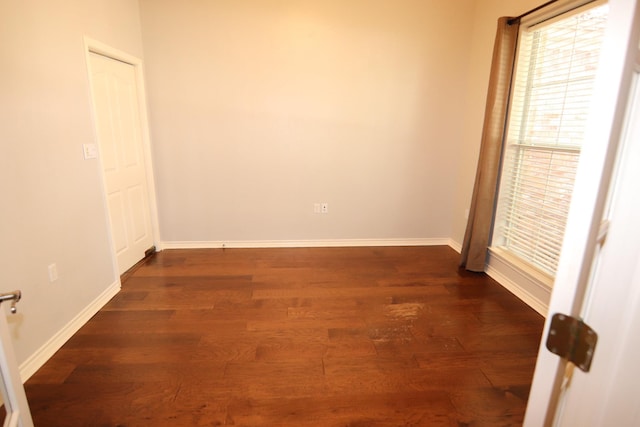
x,y
560,10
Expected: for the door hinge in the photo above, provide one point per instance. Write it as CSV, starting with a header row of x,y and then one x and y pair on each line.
x,y
572,339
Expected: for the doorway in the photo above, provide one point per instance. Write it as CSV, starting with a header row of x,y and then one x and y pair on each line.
x,y
125,161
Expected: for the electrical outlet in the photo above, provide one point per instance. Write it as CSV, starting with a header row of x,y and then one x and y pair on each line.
x,y
316,208
53,272
324,208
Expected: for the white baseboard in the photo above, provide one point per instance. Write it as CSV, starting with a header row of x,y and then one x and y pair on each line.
x,y
302,243
520,282
456,246
517,281
44,353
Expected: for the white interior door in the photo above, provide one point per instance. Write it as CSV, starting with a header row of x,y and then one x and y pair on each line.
x,y
122,157
609,395
598,278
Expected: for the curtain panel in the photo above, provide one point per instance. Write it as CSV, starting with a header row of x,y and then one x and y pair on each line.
x,y
483,201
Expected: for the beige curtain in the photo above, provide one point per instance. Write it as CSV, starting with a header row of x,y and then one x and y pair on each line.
x,y
476,238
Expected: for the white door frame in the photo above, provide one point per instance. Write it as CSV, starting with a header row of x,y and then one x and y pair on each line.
x,y
11,385
593,181
94,46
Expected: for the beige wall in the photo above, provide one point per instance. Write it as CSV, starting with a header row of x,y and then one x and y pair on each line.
x,y
52,202
481,40
259,108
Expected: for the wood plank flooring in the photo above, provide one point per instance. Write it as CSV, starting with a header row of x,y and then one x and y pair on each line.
x,y
389,336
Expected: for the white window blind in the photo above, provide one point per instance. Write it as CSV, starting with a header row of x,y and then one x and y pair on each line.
x,y
549,106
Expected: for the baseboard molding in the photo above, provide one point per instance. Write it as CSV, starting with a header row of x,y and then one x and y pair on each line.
x,y
456,246
44,353
302,243
519,282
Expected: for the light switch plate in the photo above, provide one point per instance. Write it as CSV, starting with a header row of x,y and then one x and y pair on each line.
x,y
90,151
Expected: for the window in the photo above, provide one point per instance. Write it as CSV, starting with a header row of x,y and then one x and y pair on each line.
x,y
549,106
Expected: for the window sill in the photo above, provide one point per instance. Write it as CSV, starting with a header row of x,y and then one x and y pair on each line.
x,y
527,283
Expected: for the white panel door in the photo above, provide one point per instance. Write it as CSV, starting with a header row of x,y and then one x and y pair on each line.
x,y
598,277
609,395
120,138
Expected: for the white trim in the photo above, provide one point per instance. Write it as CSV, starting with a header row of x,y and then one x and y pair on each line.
x,y
456,246
44,353
302,243
521,281
100,48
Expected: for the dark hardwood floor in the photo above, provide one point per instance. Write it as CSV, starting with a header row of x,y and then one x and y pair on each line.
x,y
393,336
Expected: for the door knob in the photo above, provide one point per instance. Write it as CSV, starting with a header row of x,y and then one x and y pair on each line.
x,y
14,297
